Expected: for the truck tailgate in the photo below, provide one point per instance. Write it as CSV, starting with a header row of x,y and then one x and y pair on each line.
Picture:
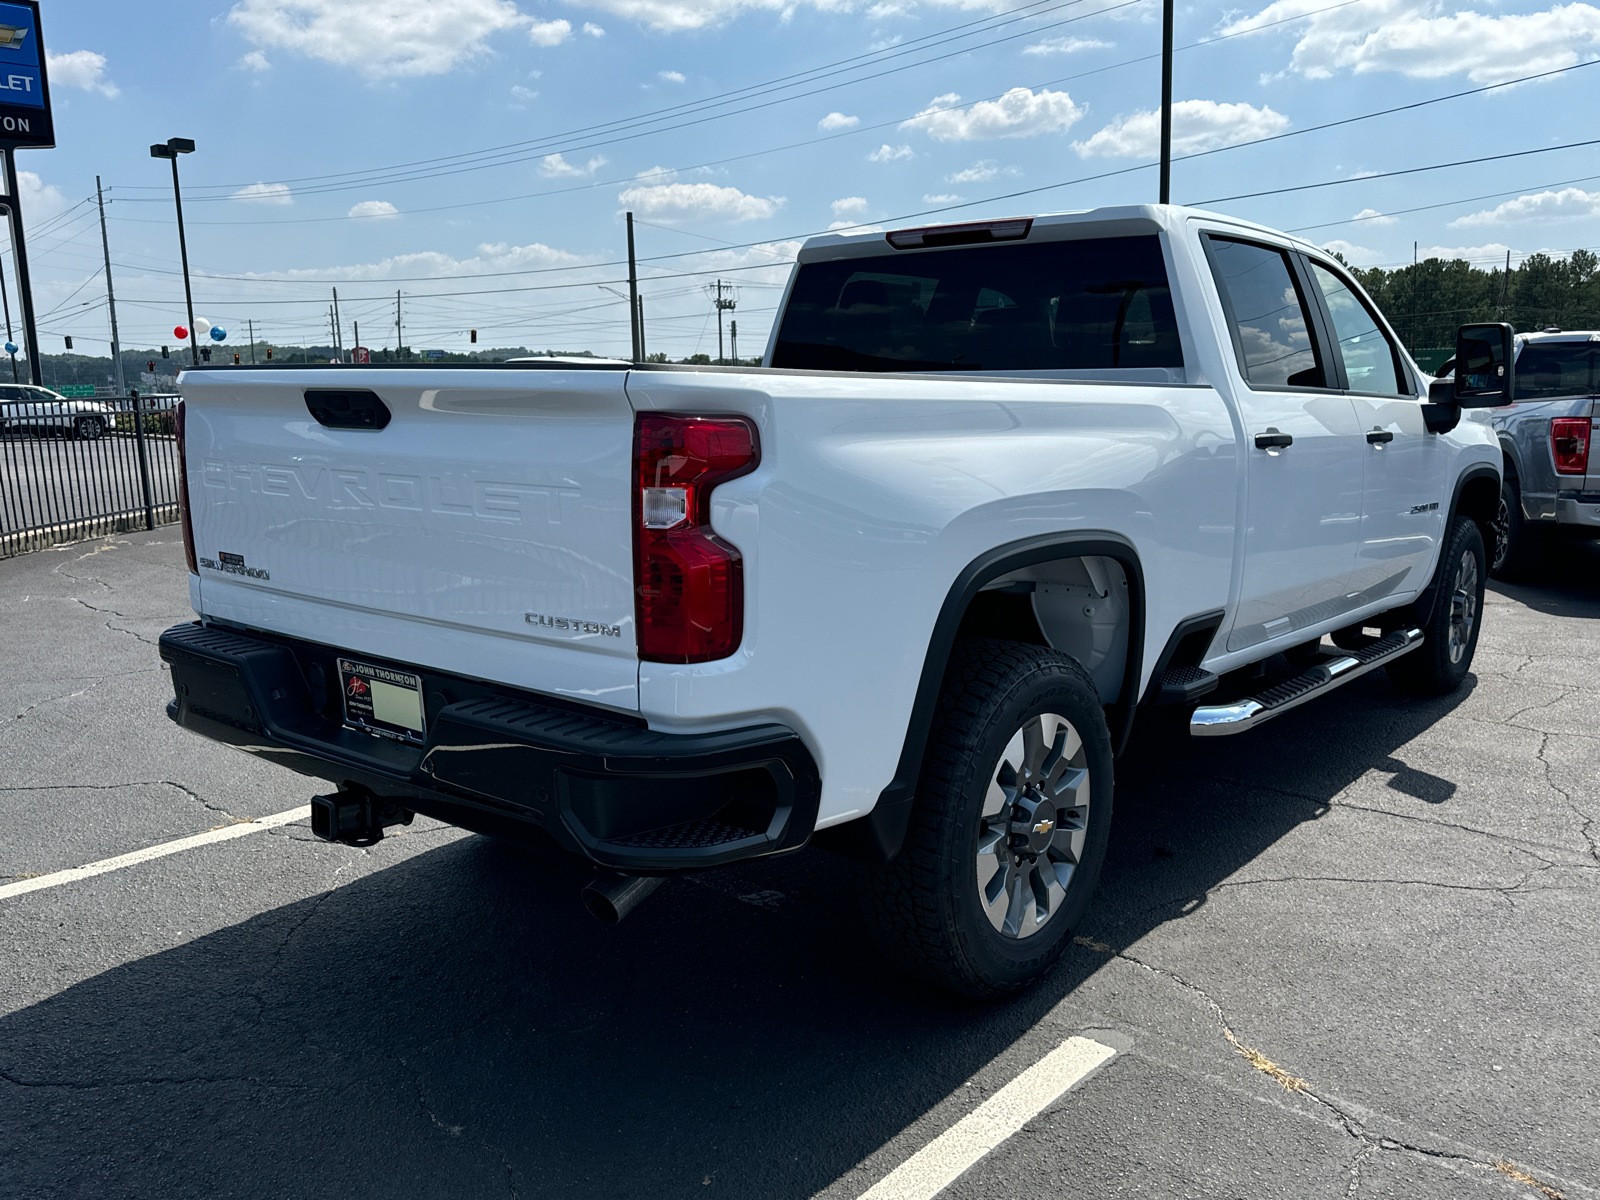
x,y
484,530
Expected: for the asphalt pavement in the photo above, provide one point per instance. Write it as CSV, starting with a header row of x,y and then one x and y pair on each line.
x,y
1350,954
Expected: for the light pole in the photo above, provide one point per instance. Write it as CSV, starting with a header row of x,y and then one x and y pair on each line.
x,y
171,148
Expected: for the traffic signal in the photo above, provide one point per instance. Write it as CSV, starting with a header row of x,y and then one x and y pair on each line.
x,y
69,343
164,353
474,338
269,353
236,360
150,366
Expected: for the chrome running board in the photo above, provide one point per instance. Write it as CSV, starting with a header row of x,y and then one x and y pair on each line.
x,y
1220,720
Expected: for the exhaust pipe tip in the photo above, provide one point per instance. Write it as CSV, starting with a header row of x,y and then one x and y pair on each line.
x,y
610,897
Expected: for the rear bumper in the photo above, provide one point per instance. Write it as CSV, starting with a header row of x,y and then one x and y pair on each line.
x,y
508,763
1579,510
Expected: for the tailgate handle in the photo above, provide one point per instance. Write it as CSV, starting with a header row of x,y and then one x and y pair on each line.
x,y
338,408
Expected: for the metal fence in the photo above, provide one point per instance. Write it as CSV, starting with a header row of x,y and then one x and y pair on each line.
x,y
60,483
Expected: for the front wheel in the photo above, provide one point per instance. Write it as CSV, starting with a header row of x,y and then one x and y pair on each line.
x,y
1518,542
1451,633
1010,825
88,429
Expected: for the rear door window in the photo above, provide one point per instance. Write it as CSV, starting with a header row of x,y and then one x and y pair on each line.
x,y
1550,370
1271,330
1101,303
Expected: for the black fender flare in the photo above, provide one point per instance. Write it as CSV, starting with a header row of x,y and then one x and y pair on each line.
x,y
1422,607
877,836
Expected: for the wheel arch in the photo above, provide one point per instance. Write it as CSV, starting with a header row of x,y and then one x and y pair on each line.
x,y
1476,495
877,836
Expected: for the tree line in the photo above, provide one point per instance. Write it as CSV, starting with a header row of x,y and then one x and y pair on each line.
x,y
1426,302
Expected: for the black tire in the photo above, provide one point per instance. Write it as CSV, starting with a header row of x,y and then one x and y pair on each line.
x,y
88,428
925,906
1519,543
1450,637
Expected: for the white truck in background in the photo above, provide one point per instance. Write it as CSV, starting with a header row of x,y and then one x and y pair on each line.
x,y
902,592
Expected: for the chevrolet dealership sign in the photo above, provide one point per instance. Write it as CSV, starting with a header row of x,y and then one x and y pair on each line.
x,y
24,86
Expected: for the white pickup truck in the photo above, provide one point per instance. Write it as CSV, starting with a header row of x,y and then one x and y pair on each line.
x,y
901,592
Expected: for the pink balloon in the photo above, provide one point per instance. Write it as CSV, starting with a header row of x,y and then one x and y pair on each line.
x,y
179,332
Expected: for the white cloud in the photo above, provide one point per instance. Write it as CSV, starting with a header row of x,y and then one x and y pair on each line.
x,y
850,206
554,166
837,120
523,95
265,193
1018,113
1356,256
549,33
593,30
1405,37
978,172
670,76
1493,252
658,175
888,153
40,200
1196,125
1566,204
373,208
380,39
1371,216
1066,45
81,69
698,201
254,61
941,198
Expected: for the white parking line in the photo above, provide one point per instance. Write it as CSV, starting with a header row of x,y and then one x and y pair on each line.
x,y
937,1165
226,833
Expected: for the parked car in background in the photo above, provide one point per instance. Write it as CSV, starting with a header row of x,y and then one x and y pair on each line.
x,y
24,408
1550,489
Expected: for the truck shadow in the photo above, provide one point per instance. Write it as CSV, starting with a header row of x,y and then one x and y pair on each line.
x,y
1565,584
457,1025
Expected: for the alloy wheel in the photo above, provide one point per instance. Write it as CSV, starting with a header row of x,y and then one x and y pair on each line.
x,y
1035,824
1502,534
1463,605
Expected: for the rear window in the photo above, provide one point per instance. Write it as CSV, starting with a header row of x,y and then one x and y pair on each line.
x,y
1096,304
1545,372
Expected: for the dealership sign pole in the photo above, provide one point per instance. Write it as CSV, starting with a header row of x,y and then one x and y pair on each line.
x,y
24,122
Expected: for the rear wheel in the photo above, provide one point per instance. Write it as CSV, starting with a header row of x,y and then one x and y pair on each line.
x,y
88,428
1451,633
1010,825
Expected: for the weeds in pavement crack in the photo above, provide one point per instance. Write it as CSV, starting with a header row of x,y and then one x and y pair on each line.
x,y
1513,1172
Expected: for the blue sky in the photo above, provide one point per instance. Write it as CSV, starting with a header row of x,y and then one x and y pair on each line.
x,y
358,144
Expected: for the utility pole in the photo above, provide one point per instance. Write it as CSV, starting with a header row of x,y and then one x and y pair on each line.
x,y
252,325
397,338
642,354
633,296
356,349
723,305
1166,101
111,299
338,329
733,334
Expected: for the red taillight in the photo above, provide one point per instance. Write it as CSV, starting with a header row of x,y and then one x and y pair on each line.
x,y
1569,442
688,582
178,427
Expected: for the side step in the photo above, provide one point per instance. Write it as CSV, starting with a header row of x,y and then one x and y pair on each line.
x,y
1220,720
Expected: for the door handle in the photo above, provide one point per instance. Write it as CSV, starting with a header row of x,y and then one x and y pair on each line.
x,y
1380,437
1273,440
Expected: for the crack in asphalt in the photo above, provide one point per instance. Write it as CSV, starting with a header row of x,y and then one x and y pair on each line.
x,y
1586,829
153,1081
111,787
456,1131
1353,1125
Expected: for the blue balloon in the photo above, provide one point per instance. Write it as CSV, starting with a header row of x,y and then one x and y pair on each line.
x,y
11,347
218,333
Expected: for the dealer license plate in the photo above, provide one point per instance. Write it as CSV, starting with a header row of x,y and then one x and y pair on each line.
x,y
382,701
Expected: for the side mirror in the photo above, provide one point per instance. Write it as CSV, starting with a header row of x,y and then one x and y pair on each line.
x,y
1485,366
